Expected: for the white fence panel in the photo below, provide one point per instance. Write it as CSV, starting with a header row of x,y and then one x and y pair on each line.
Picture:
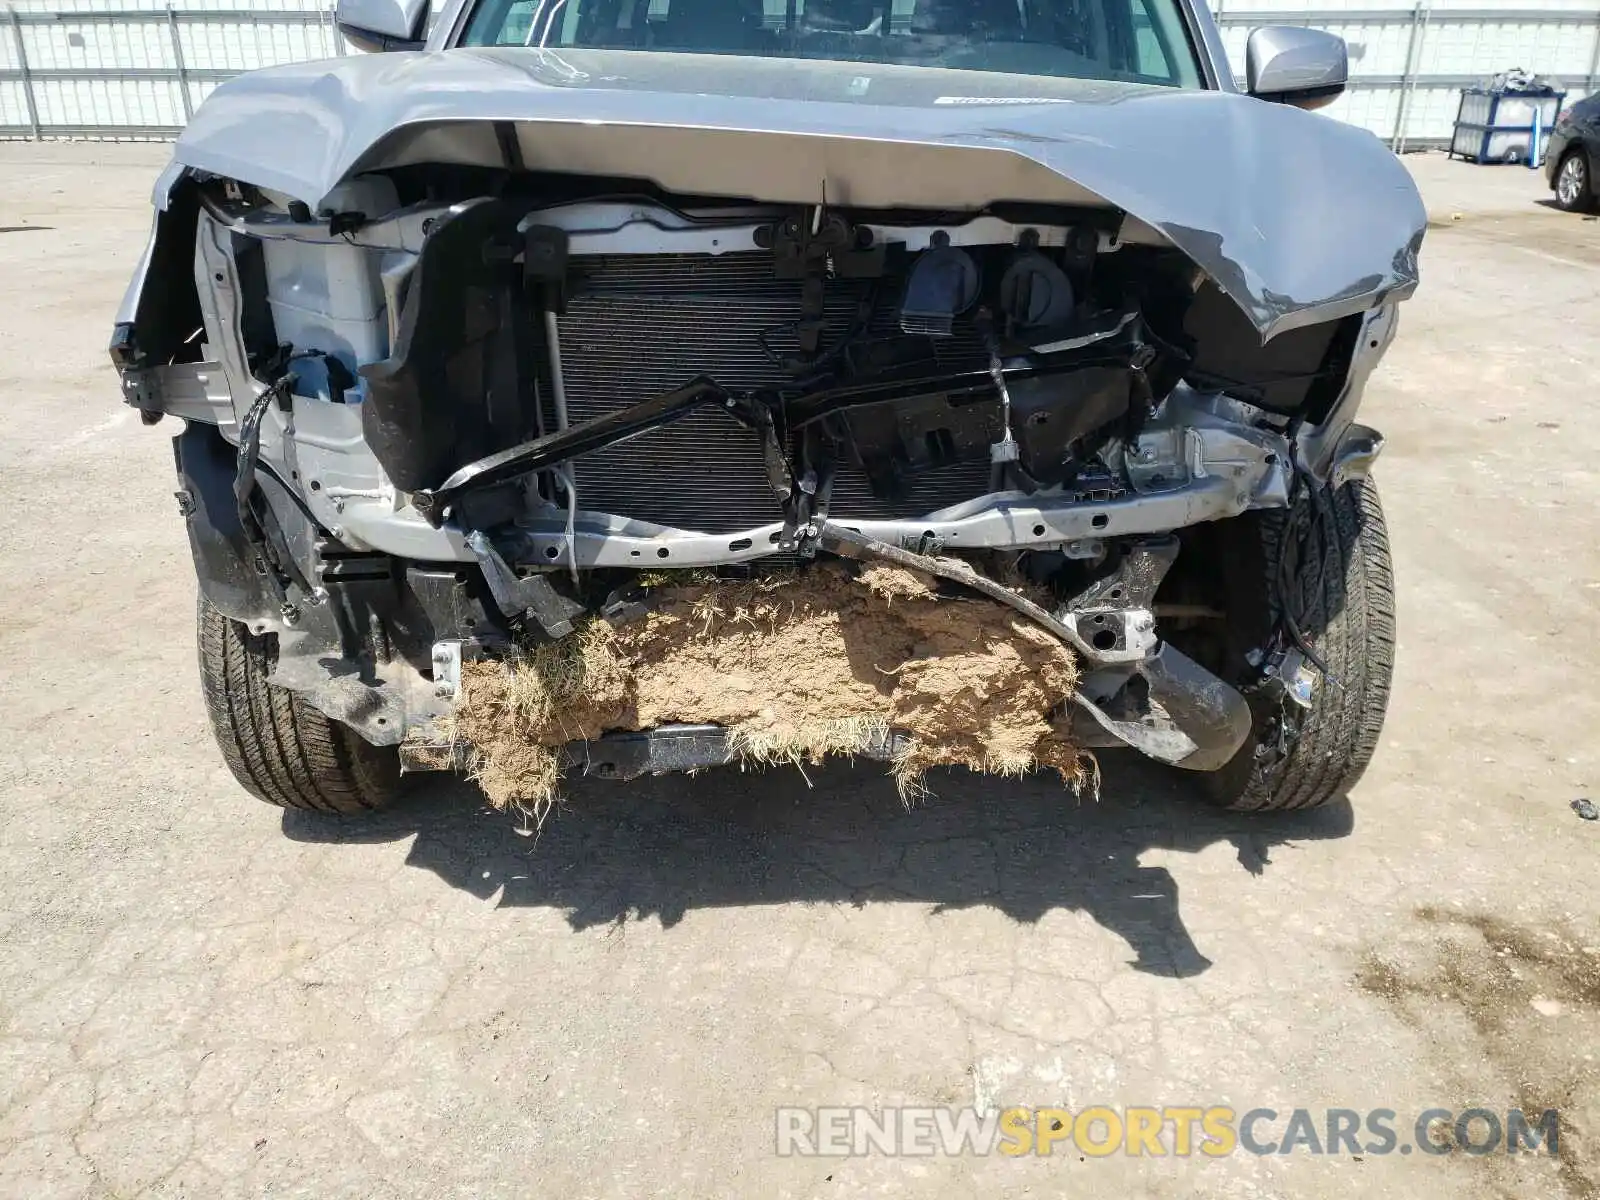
x,y
138,68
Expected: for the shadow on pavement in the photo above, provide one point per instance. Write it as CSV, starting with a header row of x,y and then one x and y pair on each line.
x,y
664,846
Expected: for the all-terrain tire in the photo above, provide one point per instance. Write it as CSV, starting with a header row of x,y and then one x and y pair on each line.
x,y
278,747
1339,583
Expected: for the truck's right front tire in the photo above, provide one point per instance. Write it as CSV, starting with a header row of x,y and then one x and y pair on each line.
x,y
278,747
1340,585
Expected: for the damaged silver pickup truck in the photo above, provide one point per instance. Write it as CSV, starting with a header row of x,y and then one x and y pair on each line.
x,y
647,385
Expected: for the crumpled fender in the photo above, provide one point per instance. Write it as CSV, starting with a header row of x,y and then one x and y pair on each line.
x,y
1296,217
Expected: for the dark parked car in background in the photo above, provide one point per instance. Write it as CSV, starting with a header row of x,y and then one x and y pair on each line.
x,y
1573,154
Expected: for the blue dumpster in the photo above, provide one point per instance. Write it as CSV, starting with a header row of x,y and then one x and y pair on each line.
x,y
1499,123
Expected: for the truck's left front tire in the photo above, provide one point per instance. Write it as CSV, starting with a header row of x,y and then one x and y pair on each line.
x,y
278,747
1339,579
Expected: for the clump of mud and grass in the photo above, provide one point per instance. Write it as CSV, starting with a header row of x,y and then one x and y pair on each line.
x,y
798,667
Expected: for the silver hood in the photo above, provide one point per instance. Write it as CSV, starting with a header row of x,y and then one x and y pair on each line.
x,y
1298,218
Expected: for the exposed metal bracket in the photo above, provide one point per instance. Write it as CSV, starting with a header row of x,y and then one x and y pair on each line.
x,y
530,598
1128,631
851,544
1152,735
1114,612
447,670
686,748
1134,582
1210,712
1189,718
194,391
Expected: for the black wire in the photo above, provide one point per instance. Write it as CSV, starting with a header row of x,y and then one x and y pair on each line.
x,y
1285,585
244,486
819,370
1294,531
773,356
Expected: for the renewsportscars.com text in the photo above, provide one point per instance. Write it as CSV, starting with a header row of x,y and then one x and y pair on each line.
x,y
1160,1131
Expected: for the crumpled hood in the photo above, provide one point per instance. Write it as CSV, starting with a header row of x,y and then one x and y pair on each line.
x,y
1297,217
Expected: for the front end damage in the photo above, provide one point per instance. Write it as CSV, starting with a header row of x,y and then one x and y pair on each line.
x,y
457,417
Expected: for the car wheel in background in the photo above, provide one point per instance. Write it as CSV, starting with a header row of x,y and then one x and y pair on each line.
x,y
1574,192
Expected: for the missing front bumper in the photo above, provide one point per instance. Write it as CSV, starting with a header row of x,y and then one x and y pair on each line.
x,y
1128,688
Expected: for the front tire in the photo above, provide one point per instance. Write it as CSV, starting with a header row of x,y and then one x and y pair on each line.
x,y
1339,583
278,747
1574,189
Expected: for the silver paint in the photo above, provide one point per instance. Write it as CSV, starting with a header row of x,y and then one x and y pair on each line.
x,y
1284,59
1299,218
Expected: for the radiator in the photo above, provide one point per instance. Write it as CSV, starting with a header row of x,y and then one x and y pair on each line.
x,y
640,325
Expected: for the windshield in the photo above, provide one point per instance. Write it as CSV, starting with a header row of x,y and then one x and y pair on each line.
x,y
1138,41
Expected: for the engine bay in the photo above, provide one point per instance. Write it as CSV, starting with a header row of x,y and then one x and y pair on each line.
x,y
565,352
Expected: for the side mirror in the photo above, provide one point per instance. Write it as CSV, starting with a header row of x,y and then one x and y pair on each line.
x,y
383,24
1291,65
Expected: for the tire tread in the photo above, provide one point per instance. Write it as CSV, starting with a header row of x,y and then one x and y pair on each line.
x,y
1345,604
279,748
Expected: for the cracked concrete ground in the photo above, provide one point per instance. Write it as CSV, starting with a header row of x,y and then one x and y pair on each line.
x,y
201,996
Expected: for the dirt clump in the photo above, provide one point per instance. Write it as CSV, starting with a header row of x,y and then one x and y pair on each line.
x,y
798,667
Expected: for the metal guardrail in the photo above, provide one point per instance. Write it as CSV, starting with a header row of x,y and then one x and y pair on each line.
x,y
1421,17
